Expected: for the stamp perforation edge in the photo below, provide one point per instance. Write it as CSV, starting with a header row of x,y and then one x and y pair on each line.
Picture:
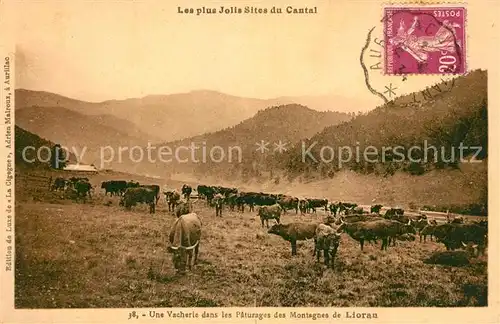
x,y
424,4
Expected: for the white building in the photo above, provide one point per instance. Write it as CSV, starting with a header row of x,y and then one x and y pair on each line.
x,y
80,168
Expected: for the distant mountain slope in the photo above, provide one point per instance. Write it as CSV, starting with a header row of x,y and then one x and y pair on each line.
x,y
288,124
176,116
328,103
25,139
444,121
30,98
123,126
76,130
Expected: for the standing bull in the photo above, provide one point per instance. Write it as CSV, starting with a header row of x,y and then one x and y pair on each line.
x,y
185,237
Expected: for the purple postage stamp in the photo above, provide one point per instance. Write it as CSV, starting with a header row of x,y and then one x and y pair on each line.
x,y
424,40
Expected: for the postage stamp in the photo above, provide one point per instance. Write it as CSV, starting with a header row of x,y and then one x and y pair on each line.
x,y
424,40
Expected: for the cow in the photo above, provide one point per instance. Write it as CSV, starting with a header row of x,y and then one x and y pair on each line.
x,y
73,180
167,194
428,230
218,202
452,235
82,188
133,196
172,198
184,237
231,200
155,189
393,212
184,207
114,187
263,199
406,237
354,211
375,209
420,224
361,218
225,191
344,207
294,232
303,206
133,184
59,183
186,191
288,202
457,220
326,239
473,250
269,212
483,223
251,199
333,209
240,202
206,192
315,203
380,229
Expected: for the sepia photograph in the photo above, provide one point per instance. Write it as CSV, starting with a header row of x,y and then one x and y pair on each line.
x,y
289,160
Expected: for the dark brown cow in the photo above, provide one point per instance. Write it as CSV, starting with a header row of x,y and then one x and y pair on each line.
x,y
83,188
133,196
453,235
155,189
379,229
375,209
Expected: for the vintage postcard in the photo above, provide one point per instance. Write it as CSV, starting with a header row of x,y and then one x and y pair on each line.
x,y
249,161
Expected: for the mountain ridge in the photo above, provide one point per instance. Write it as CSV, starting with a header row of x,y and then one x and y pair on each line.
x,y
169,117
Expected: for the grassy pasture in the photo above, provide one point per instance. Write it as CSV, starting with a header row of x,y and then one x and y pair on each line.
x,y
79,255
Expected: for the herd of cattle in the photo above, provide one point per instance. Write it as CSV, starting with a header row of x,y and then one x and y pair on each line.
x,y
341,217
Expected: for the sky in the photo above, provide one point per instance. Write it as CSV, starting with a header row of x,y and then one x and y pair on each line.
x,y
100,50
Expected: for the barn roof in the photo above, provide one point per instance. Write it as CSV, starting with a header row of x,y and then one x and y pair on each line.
x,y
80,167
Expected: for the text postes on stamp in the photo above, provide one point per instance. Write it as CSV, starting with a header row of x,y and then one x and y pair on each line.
x,y
424,40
